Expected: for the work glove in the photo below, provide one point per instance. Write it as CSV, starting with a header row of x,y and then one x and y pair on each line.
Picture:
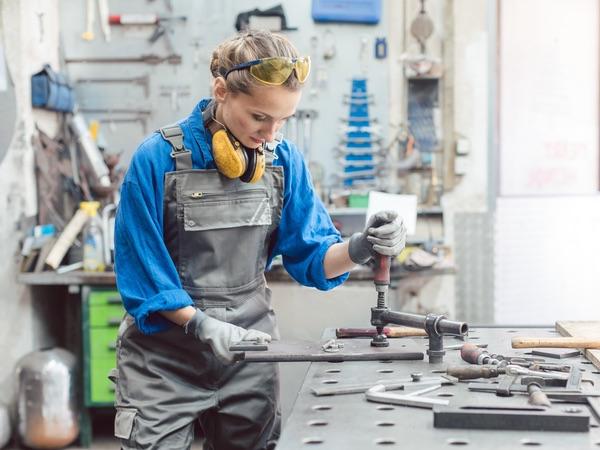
x,y
385,234
221,335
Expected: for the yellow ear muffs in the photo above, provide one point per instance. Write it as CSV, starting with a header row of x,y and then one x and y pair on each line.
x,y
230,157
256,165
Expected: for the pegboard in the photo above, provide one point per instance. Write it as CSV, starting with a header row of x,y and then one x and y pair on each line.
x,y
333,49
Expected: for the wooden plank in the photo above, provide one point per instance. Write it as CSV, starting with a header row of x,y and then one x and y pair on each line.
x,y
582,329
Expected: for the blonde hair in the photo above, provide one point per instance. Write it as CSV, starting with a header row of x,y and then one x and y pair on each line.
x,y
247,46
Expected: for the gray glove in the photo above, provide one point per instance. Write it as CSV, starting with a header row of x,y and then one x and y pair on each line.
x,y
221,335
385,234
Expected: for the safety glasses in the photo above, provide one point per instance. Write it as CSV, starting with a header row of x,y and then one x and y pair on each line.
x,y
275,71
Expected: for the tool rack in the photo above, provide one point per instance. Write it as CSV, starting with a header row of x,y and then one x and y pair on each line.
x,y
352,422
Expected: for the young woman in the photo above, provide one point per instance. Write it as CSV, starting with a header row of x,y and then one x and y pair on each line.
x,y
205,206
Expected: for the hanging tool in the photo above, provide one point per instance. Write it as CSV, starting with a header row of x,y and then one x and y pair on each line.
x,y
151,59
88,34
560,342
160,29
475,355
143,81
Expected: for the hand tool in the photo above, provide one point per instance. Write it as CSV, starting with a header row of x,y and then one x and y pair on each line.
x,y
559,354
470,372
378,394
142,19
537,397
435,325
533,418
391,384
143,81
391,332
559,342
472,354
151,59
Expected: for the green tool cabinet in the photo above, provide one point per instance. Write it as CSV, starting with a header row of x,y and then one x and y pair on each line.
x,y
102,311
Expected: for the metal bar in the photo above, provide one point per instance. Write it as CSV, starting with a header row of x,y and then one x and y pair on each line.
x,y
510,418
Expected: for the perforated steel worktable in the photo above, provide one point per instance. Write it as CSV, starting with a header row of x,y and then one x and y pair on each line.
x,y
352,422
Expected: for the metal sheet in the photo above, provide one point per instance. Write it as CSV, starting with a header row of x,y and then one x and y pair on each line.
x,y
353,350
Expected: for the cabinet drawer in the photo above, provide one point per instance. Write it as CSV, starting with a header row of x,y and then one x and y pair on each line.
x,y
106,315
101,297
102,390
103,342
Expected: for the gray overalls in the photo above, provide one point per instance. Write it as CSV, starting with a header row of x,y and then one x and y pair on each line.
x,y
217,231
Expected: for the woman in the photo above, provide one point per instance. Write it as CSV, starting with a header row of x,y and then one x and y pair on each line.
x,y
205,206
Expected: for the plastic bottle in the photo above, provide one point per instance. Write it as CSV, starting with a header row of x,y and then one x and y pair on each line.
x,y
93,247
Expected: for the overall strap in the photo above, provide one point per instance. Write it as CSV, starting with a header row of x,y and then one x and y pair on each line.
x,y
173,134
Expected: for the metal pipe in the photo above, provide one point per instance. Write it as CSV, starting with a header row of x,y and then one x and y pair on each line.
x,y
442,326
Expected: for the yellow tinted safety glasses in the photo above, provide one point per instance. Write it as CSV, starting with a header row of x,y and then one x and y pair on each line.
x,y
276,70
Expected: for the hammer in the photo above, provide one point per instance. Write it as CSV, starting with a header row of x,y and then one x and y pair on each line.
x,y
560,342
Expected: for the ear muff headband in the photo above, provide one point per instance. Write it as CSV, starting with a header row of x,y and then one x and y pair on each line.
x,y
232,159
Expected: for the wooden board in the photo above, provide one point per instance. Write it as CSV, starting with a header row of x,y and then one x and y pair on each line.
x,y
582,329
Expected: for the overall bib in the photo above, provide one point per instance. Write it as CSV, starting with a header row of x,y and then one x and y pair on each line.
x,y
217,231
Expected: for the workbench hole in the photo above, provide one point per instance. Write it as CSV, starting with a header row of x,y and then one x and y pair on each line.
x,y
596,372
386,361
385,424
529,442
322,407
317,423
511,331
473,337
572,410
333,371
445,394
586,362
385,408
385,371
330,381
385,441
312,440
453,441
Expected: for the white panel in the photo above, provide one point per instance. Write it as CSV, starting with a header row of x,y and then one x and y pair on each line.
x,y
547,254
548,102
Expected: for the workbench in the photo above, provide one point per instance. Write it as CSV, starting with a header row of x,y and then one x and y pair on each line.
x,y
351,422
94,310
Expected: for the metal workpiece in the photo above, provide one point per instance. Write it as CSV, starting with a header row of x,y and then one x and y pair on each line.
x,y
391,384
436,327
352,422
332,350
378,394
511,418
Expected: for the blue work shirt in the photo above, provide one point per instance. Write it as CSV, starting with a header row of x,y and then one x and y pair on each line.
x,y
146,275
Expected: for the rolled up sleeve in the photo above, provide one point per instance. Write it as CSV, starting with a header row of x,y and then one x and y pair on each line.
x,y
306,231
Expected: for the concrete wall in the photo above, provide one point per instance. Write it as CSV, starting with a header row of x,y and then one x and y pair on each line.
x,y
22,328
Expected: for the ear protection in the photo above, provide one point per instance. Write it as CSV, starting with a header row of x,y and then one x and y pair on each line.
x,y
232,159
